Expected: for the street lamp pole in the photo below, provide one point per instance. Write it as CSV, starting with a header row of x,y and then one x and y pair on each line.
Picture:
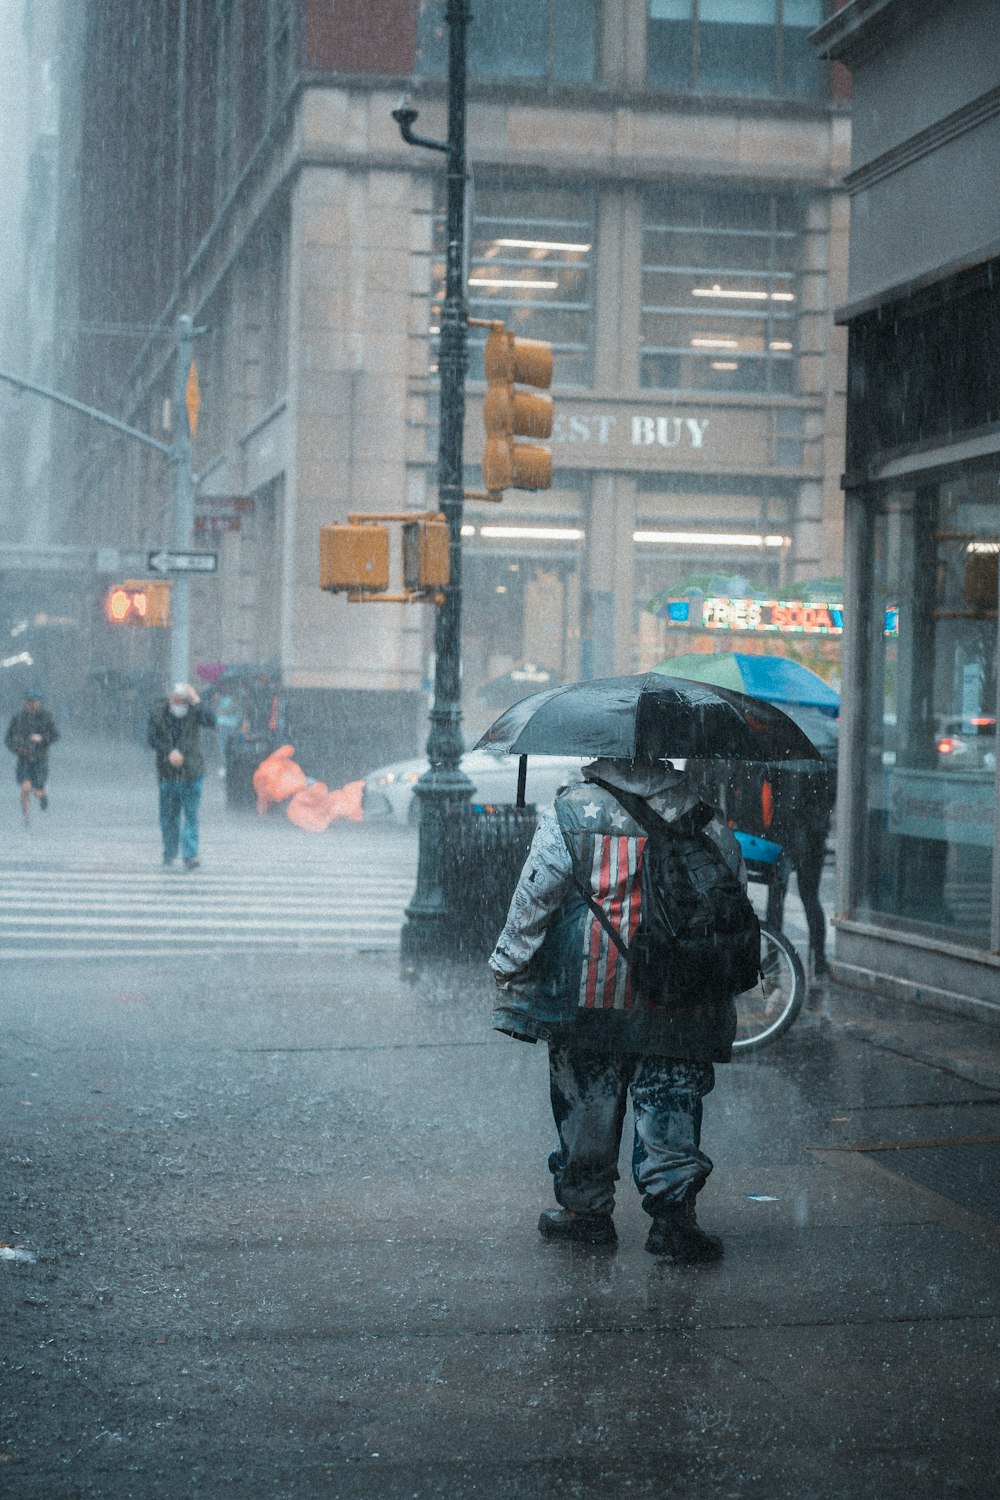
x,y
180,456
444,787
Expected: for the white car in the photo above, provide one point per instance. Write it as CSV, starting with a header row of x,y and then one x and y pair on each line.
x,y
388,793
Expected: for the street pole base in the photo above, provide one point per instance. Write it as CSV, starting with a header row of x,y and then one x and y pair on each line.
x,y
426,934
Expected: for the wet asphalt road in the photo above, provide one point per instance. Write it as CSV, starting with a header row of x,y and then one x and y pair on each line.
x,y
282,1211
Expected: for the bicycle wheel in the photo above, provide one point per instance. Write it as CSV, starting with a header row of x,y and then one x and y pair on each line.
x,y
766,1011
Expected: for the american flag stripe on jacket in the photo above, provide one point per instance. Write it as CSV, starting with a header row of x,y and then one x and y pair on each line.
x,y
605,982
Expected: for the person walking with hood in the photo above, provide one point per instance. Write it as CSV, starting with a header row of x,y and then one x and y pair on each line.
x,y
29,734
563,979
175,727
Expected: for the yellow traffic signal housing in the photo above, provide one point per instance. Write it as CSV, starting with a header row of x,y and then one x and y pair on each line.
x,y
426,554
139,601
509,412
354,558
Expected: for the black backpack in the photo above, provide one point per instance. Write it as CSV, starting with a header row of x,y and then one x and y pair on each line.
x,y
698,938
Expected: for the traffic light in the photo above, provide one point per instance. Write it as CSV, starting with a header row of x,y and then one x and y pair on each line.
x,y
139,601
426,556
354,558
509,413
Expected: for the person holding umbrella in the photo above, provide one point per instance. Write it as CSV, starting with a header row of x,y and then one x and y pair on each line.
x,y
563,962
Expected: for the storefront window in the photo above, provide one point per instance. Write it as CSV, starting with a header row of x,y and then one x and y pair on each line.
x,y
531,267
720,290
734,46
932,708
555,39
521,582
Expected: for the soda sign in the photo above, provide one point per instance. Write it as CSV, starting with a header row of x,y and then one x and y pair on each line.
x,y
787,616
780,616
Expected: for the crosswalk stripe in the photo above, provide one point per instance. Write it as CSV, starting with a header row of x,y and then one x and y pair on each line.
x,y
149,924
360,940
100,908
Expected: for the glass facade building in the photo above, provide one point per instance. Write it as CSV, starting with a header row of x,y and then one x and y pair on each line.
x,y
919,831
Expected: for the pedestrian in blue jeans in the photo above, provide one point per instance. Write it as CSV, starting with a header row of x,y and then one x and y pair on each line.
x,y
175,727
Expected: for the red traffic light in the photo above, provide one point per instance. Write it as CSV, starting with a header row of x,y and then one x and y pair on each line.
x,y
126,604
139,602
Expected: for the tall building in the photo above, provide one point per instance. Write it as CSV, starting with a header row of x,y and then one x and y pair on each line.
x,y
655,190
40,578
919,848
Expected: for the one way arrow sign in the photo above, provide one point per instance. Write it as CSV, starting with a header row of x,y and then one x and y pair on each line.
x,y
182,562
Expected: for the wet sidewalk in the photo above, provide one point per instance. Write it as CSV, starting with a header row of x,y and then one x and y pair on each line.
x,y
283,1215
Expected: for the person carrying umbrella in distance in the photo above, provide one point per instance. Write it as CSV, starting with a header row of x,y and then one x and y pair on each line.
x,y
628,936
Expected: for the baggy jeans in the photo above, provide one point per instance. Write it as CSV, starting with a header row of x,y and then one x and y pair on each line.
x,y
589,1093
177,798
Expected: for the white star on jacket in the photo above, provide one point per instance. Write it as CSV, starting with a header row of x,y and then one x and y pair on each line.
x,y
591,810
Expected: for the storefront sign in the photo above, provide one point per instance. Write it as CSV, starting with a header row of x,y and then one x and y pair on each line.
x,y
944,805
787,616
644,431
782,616
220,513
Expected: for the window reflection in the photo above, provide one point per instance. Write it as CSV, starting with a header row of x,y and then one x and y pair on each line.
x,y
531,267
719,291
554,39
734,46
932,707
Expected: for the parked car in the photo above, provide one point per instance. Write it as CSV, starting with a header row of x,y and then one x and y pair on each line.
x,y
388,792
968,744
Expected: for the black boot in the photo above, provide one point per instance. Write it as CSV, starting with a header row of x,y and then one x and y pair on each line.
x,y
584,1229
676,1233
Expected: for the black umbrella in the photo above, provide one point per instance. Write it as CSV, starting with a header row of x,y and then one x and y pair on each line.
x,y
648,716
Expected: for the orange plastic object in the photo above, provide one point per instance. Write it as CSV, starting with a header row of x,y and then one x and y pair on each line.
x,y
767,804
277,778
315,807
346,801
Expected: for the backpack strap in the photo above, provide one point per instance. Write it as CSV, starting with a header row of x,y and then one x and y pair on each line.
x,y
604,920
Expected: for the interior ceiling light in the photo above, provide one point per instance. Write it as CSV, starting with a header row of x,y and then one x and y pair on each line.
x,y
702,341
512,281
782,296
708,538
724,364
534,533
543,245
987,547
468,531
725,291
781,343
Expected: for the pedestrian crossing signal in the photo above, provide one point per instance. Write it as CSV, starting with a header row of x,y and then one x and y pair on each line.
x,y
139,602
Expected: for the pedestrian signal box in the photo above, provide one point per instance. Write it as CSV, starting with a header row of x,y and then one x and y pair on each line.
x,y
139,601
354,558
426,560
509,413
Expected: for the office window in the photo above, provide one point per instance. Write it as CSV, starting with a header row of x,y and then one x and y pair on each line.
x,y
719,290
734,46
553,39
531,265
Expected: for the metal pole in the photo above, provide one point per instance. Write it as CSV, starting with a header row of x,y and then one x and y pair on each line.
x,y
445,787
180,602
